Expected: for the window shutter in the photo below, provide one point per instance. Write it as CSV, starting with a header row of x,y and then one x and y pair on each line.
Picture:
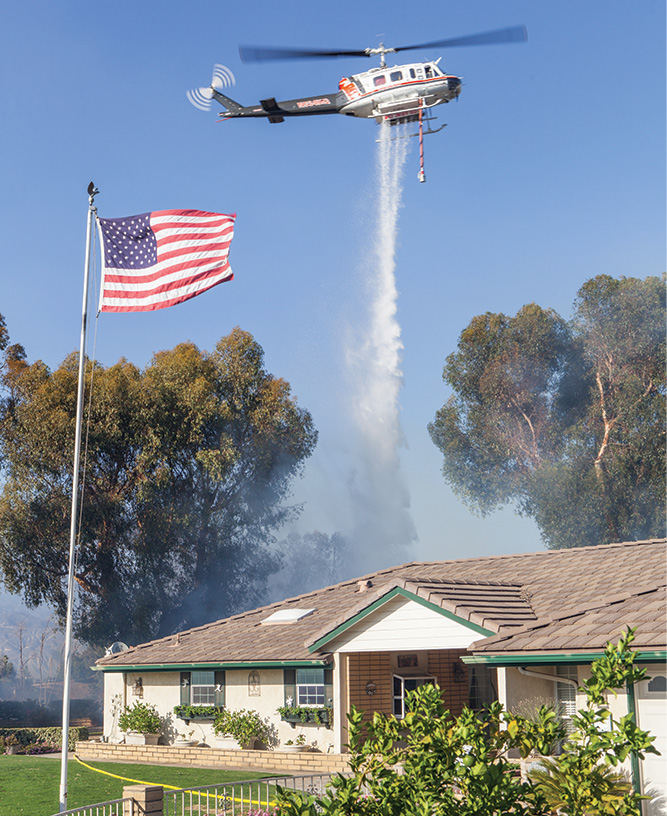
x,y
328,688
185,688
289,683
220,688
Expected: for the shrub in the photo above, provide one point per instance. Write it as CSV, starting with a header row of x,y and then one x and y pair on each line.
x,y
141,717
242,725
52,735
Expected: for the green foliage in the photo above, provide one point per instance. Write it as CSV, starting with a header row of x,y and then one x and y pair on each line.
x,y
188,465
304,714
242,724
6,668
197,712
547,414
141,717
52,734
585,780
432,764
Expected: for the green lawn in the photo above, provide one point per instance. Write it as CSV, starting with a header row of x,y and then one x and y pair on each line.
x,y
31,785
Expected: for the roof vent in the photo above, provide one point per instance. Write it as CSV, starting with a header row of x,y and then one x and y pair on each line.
x,y
364,585
287,616
115,648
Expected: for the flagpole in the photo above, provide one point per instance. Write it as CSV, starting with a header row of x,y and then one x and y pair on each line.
x,y
92,192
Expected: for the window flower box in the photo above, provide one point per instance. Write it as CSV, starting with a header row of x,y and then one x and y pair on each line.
x,y
193,713
304,714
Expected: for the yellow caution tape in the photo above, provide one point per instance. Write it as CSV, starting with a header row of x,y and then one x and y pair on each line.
x,y
171,787
122,778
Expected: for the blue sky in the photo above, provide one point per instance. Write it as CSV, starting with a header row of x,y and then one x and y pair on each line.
x,y
551,170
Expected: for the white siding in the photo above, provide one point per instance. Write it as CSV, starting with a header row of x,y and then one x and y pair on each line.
x,y
403,624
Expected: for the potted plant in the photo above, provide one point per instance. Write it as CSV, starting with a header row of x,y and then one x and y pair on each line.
x,y
184,740
234,729
142,724
298,744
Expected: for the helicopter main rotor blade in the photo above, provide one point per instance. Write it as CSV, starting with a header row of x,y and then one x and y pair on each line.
x,y
499,35
252,53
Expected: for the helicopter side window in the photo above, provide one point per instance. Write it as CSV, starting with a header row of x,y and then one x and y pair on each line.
x,y
396,76
379,80
412,73
429,71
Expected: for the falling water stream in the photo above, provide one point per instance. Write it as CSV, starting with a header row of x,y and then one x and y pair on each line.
x,y
380,500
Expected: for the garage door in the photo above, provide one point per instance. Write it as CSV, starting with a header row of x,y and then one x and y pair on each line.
x,y
652,716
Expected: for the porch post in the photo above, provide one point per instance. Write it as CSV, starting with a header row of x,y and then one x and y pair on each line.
x,y
501,674
341,701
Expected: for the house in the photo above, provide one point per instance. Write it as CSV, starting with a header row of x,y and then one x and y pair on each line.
x,y
507,627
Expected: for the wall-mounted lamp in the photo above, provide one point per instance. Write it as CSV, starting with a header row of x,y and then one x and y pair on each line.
x,y
138,688
460,675
371,688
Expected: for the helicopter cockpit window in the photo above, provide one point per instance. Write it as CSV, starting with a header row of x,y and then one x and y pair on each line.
x,y
396,76
379,80
429,71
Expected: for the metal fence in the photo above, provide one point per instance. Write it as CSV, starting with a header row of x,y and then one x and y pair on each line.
x,y
256,797
114,807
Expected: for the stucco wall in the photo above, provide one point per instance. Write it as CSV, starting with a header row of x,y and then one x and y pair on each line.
x,y
162,689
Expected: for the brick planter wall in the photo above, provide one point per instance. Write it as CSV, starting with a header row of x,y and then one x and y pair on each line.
x,y
277,762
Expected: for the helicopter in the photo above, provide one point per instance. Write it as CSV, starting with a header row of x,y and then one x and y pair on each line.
x,y
394,95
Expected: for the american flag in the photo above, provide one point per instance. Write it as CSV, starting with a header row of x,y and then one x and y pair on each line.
x,y
161,258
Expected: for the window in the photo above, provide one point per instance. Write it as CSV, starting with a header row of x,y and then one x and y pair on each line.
x,y
204,688
310,687
402,685
412,73
379,80
566,693
396,76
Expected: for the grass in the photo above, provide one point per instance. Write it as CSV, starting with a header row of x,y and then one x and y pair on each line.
x,y
31,785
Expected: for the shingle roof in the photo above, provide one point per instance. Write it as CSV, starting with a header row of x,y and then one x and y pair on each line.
x,y
495,592
589,629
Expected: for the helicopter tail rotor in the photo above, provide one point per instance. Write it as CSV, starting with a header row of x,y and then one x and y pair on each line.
x,y
202,97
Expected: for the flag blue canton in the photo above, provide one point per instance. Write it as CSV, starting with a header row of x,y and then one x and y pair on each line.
x,y
130,243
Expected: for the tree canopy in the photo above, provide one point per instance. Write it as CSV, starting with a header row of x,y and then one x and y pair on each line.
x,y
564,420
186,470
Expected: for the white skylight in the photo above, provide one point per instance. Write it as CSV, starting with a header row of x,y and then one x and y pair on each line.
x,y
291,615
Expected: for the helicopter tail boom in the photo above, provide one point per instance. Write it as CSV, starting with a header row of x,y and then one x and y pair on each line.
x,y
276,111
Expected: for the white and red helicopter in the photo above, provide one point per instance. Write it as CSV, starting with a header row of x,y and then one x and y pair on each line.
x,y
393,94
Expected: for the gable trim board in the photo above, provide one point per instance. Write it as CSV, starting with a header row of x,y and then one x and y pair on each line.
x,y
399,592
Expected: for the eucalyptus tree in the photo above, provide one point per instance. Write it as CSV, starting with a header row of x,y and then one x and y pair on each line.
x,y
186,474
564,420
